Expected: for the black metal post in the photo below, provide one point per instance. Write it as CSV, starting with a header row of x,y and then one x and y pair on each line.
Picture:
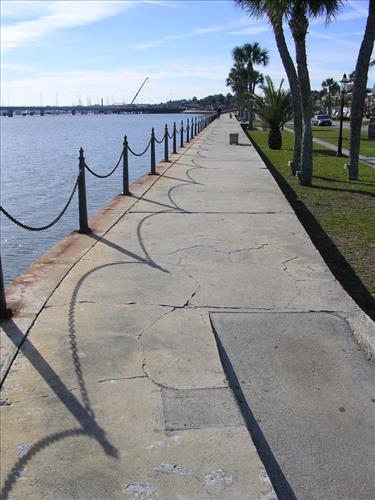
x,y
5,312
182,134
166,143
82,203
153,163
174,138
125,168
187,130
339,145
195,126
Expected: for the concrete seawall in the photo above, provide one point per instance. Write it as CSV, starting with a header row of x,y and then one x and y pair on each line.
x,y
140,341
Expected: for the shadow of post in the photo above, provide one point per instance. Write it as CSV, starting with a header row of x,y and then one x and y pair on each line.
x,y
83,414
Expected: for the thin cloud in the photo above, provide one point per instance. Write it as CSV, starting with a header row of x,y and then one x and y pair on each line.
x,y
20,9
199,31
252,30
17,68
148,45
165,3
60,15
333,39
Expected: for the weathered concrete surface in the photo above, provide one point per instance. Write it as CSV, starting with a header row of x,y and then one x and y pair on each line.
x,y
308,394
200,408
129,318
29,292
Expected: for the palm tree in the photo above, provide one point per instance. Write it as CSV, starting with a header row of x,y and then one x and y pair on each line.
x,y
275,109
332,87
274,13
249,55
298,13
359,92
237,80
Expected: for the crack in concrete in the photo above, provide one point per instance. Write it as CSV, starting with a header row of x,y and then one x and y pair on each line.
x,y
285,268
289,260
188,212
144,361
249,248
73,389
189,248
139,337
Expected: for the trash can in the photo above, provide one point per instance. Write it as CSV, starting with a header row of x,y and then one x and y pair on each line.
x,y
233,138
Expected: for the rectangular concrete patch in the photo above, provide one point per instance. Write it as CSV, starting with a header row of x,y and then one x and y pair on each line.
x,y
200,408
307,395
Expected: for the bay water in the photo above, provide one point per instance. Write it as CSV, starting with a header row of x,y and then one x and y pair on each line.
x,y
39,166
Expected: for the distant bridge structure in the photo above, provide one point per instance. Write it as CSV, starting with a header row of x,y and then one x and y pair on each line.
x,y
95,109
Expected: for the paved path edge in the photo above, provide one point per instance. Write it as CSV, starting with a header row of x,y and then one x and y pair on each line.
x,y
361,325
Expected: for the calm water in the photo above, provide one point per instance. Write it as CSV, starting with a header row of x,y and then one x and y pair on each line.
x,y
39,165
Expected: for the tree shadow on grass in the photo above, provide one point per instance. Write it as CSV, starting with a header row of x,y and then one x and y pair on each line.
x,y
327,152
336,262
350,183
341,190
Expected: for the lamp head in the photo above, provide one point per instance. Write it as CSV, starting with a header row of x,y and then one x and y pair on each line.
x,y
344,83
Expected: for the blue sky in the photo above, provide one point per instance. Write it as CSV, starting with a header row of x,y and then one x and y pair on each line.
x,y
85,50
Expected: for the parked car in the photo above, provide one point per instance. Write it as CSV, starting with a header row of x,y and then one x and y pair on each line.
x,y
321,120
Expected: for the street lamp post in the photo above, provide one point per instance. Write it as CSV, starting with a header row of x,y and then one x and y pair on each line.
x,y
344,85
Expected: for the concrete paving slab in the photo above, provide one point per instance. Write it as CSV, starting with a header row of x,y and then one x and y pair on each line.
x,y
307,395
200,408
61,449
83,344
180,351
147,282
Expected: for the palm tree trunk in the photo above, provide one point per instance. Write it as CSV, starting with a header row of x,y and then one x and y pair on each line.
x,y
359,92
295,91
250,83
299,25
274,138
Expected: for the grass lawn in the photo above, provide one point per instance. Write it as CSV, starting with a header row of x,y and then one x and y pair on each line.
x,y
331,135
339,215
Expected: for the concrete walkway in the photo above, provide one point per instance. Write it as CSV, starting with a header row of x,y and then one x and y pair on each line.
x,y
126,386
